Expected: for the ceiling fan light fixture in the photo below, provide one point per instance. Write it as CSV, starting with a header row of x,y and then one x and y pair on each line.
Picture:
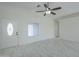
x,y
48,12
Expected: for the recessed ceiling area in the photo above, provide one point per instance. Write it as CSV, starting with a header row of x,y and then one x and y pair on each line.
x,y
67,7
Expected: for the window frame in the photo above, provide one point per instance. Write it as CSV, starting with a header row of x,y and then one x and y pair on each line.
x,y
37,27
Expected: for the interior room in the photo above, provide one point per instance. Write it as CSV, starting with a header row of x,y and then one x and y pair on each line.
x,y
39,29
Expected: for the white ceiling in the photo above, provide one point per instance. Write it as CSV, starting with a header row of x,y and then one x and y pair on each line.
x,y
67,7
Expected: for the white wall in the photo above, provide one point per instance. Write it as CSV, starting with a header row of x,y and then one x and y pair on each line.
x,y
0,33
21,18
69,28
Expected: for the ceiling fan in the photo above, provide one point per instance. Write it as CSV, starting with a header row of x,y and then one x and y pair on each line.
x,y
48,10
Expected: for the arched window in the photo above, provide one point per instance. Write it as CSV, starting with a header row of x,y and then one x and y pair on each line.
x,y
10,29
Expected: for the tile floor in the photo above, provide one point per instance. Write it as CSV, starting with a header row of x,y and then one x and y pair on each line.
x,y
46,48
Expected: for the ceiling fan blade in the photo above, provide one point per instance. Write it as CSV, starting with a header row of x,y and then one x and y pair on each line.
x,y
45,5
56,8
38,6
53,13
40,11
44,14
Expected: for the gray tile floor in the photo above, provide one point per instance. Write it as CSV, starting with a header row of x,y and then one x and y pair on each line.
x,y
46,48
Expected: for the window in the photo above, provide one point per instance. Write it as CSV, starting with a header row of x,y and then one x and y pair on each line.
x,y
33,29
10,29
